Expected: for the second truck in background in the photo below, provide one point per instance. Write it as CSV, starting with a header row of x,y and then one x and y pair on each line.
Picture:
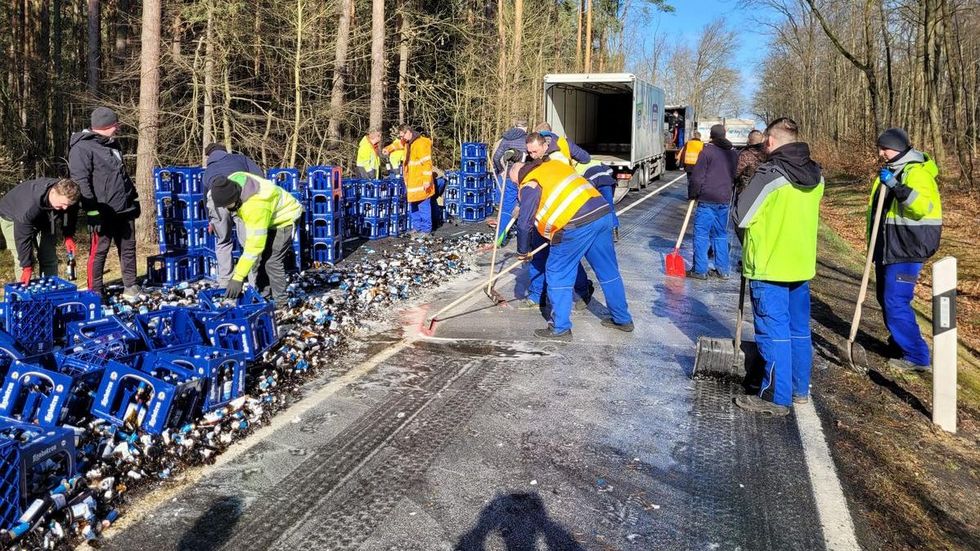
x,y
616,117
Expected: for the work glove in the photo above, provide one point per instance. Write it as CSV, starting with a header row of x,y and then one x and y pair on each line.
x,y
25,275
887,178
94,221
70,245
234,289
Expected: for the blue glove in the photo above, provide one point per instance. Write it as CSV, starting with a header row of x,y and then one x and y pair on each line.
x,y
887,178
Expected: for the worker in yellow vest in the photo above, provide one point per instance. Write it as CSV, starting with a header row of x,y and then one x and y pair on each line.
x,y
688,155
368,156
563,207
419,182
558,148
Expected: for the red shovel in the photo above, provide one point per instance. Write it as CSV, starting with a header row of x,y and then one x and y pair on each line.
x,y
675,263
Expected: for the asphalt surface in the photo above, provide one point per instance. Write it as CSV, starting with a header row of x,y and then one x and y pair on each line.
x,y
482,437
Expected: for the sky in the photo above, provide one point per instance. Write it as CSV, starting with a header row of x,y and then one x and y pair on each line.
x,y
691,15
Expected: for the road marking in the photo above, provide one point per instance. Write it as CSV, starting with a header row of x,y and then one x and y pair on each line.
x,y
835,517
648,195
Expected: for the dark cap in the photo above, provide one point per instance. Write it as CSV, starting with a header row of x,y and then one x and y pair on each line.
x,y
224,192
895,139
717,131
103,118
212,147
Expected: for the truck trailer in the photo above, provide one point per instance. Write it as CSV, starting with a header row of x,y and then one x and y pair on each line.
x,y
679,127
616,117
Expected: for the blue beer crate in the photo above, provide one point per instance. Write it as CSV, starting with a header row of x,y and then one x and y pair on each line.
x,y
327,227
351,188
375,189
396,186
452,179
9,351
222,370
169,327
452,194
474,182
178,179
473,165
324,203
47,457
31,324
474,198
85,306
175,235
474,150
52,389
10,508
374,227
473,214
213,299
397,226
452,209
286,178
151,395
327,251
181,208
324,179
374,207
399,206
172,268
51,288
249,329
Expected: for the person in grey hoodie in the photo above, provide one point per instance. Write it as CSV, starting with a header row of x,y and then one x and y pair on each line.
x,y
109,198
712,184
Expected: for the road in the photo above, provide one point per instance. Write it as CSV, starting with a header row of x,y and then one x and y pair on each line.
x,y
482,437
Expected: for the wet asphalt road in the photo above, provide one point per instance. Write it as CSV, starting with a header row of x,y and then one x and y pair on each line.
x,y
482,437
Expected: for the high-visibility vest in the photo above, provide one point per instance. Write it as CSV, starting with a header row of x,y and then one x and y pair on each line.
x,y
265,205
692,150
367,157
563,193
396,154
418,170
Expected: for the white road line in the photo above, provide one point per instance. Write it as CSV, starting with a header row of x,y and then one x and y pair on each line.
x,y
648,195
835,517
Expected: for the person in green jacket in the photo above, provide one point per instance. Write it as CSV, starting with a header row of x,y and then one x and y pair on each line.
x,y
908,235
269,213
369,155
777,216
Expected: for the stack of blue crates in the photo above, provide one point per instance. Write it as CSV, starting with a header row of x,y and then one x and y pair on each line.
x,y
289,180
469,192
325,214
398,224
186,247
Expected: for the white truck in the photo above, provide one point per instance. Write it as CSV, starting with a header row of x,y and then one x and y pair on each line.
x,y
679,127
616,117
737,129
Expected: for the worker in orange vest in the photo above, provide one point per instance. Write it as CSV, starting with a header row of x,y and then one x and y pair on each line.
x,y
418,176
688,155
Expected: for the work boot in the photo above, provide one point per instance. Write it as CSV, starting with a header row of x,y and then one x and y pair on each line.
x,y
715,273
695,275
750,402
624,327
801,398
547,333
527,304
582,304
616,234
902,364
132,292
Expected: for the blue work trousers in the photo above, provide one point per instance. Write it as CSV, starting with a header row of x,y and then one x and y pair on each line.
x,y
421,215
782,333
895,290
607,193
593,242
510,201
537,284
711,228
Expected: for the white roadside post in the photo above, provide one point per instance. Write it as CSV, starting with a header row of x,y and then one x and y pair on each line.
x,y
944,343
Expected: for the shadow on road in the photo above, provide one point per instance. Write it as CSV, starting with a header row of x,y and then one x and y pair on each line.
x,y
520,520
215,526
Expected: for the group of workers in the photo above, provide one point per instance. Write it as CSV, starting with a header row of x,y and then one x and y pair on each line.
x,y
775,188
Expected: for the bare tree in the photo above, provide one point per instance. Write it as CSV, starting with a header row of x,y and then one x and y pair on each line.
x,y
94,45
149,109
377,62
339,69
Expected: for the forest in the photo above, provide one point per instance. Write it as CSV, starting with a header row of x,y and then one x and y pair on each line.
x,y
298,82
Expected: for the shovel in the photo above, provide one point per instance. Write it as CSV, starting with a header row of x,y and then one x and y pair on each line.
x,y
857,357
722,358
675,263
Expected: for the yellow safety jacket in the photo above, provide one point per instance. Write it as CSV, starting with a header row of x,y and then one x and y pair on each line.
x,y
563,193
563,154
692,150
912,224
264,205
367,158
418,167
396,154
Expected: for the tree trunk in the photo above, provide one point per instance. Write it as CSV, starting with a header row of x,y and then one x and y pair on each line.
x,y
578,36
58,127
226,107
207,136
588,36
94,45
146,151
403,61
339,70
933,73
297,90
885,34
518,39
377,63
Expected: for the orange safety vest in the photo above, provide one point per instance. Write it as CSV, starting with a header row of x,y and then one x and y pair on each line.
x,y
563,192
692,150
564,153
418,168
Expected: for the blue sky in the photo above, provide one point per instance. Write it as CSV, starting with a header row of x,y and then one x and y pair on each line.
x,y
691,15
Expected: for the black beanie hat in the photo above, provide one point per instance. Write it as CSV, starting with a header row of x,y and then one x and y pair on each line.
x,y
224,192
717,131
103,117
894,138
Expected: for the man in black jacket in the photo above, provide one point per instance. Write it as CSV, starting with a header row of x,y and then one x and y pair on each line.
x,y
29,216
711,185
108,197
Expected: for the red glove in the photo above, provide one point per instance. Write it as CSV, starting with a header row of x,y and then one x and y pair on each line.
x,y
25,275
70,244
211,229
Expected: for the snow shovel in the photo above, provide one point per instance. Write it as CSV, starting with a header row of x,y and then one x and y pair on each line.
x,y
857,357
429,324
492,293
675,264
722,358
